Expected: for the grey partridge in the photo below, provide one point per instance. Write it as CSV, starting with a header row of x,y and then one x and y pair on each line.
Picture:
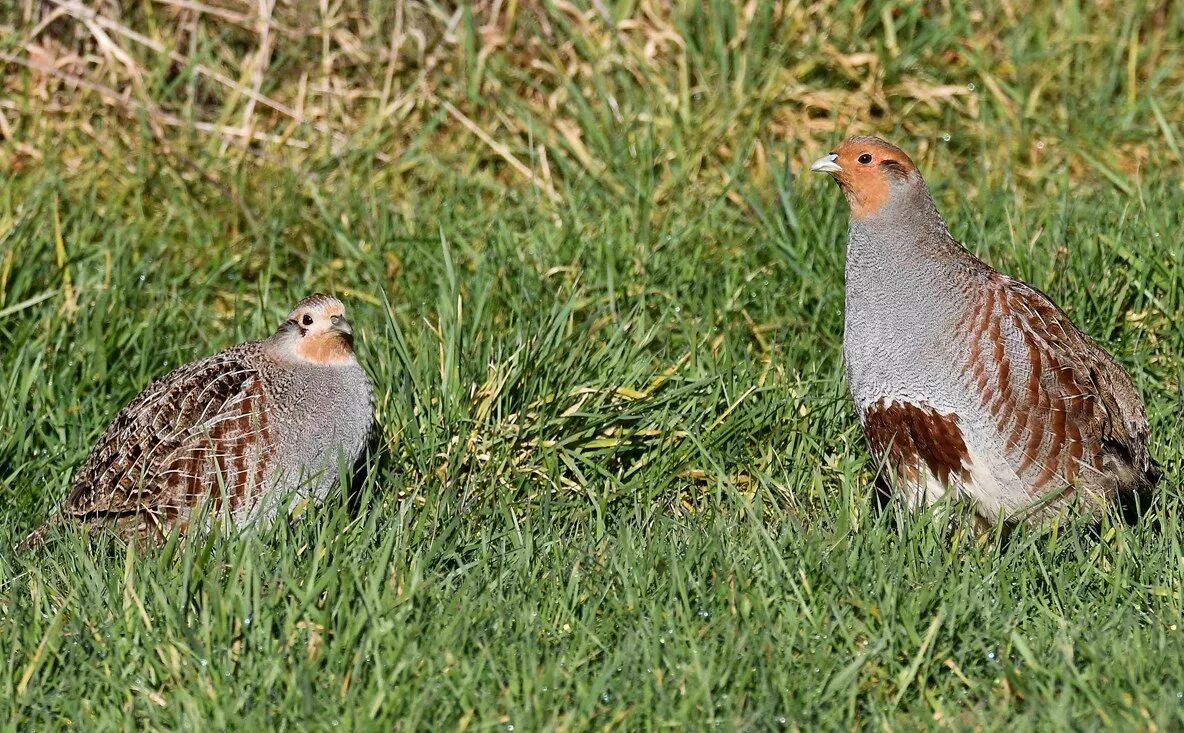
x,y
966,380
239,432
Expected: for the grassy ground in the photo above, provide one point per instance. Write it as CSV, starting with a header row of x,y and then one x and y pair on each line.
x,y
617,483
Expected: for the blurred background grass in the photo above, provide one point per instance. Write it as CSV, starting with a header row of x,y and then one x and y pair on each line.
x,y
617,482
509,95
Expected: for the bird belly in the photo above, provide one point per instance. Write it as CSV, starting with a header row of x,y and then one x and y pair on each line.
x,y
904,364
303,473
920,448
992,483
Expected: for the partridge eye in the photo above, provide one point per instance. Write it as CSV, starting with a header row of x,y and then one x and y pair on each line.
x,y
865,158
307,320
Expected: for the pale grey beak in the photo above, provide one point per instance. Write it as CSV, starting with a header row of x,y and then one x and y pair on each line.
x,y
826,164
340,324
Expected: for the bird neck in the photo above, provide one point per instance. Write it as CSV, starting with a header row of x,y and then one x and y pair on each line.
x,y
902,261
906,231
904,296
326,349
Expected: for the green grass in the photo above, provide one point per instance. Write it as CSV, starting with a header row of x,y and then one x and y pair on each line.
x,y
617,481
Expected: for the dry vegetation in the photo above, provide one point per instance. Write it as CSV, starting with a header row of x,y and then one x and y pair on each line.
x,y
536,93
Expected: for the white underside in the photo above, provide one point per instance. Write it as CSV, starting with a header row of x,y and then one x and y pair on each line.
x,y
993,485
994,499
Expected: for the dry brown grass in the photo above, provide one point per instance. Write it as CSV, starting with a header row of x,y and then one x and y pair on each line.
x,y
535,94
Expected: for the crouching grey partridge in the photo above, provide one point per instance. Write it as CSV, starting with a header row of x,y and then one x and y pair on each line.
x,y
966,380
239,432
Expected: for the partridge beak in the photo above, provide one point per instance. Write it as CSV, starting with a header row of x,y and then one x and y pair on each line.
x,y
341,325
826,164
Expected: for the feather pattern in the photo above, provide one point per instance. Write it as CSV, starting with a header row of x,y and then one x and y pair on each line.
x,y
234,433
202,425
1065,408
965,379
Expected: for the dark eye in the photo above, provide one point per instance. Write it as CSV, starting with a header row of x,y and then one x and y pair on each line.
x,y
865,158
307,320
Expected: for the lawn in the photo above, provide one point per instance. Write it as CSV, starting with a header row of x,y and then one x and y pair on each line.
x,y
617,482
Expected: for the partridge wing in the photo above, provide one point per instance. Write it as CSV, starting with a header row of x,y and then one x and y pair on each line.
x,y
162,450
1062,405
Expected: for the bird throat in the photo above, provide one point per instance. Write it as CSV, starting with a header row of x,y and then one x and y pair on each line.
x,y
867,197
326,348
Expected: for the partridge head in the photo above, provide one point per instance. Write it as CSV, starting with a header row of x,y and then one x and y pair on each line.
x,y
316,332
237,433
872,174
967,381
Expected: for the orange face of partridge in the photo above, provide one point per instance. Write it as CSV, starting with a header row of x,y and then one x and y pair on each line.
x,y
865,168
319,332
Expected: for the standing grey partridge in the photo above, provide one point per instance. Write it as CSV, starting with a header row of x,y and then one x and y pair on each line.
x,y
238,432
968,380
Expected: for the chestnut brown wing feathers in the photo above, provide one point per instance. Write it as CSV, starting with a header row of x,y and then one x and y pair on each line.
x,y
200,422
909,437
1062,405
